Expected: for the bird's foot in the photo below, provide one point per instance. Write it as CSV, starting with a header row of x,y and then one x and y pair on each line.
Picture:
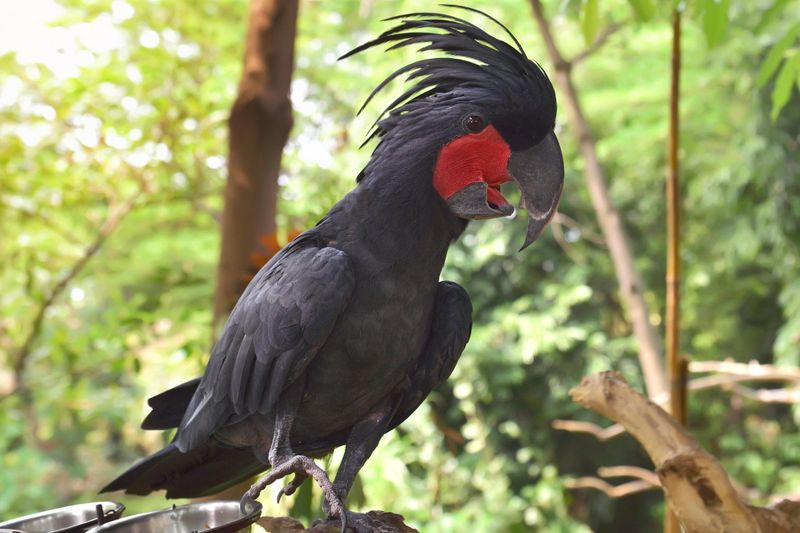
x,y
302,467
350,521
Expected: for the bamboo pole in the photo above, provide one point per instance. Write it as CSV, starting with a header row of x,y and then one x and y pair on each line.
x,y
676,367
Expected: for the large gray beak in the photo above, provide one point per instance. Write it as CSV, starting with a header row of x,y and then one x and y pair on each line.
x,y
539,172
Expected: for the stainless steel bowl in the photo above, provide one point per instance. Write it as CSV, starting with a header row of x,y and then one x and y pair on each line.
x,y
204,517
72,519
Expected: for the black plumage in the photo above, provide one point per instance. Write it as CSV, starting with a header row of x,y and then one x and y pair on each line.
x,y
343,334
477,68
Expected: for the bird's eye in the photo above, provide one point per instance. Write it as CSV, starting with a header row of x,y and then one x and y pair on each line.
x,y
474,123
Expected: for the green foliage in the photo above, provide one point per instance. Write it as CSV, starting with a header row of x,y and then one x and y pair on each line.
x,y
590,20
139,116
783,60
715,19
787,77
644,9
776,55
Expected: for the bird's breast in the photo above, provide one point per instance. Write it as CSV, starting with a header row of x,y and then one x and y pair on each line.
x,y
374,346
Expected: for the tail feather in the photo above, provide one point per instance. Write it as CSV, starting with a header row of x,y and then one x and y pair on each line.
x,y
169,406
208,467
204,471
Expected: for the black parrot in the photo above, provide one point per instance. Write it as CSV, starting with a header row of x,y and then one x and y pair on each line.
x,y
344,333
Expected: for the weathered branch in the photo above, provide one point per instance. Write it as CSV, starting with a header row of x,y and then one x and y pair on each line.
x,y
696,486
382,522
730,375
630,282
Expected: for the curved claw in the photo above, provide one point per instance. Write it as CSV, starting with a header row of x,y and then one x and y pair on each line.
x,y
288,490
248,502
292,486
302,467
334,508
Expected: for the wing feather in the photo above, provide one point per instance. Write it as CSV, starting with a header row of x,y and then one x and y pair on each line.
x,y
279,324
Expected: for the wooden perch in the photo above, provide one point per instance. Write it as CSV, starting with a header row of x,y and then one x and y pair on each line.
x,y
697,488
383,522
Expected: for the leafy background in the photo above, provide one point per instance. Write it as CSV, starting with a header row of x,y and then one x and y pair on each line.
x,y
113,141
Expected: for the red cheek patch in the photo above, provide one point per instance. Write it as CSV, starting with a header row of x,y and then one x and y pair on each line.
x,y
470,158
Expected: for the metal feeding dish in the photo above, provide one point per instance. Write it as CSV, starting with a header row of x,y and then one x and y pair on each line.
x,y
203,517
72,519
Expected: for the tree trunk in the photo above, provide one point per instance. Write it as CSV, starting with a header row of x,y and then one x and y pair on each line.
x,y
259,126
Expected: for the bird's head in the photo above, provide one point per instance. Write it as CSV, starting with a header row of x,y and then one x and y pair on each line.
x,y
486,109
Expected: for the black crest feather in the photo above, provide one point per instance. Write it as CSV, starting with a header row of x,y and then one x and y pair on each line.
x,y
475,65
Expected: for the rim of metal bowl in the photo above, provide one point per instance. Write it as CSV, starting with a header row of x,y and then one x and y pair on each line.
x,y
231,527
108,516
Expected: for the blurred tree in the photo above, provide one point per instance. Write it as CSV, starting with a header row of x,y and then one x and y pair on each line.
x,y
258,127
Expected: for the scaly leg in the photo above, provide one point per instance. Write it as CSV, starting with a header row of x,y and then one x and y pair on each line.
x,y
285,462
361,442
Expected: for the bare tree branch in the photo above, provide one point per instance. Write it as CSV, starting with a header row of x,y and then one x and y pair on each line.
x,y
598,43
47,221
576,426
768,395
116,214
644,480
612,491
630,282
558,234
752,370
586,233
637,472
